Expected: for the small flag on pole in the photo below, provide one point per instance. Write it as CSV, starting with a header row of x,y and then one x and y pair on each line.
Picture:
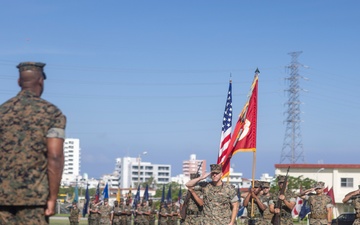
x,y
179,195
105,193
87,200
146,193
97,193
168,198
163,194
118,194
76,194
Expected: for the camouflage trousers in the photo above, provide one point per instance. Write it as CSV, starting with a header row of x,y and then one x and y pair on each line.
x,y
318,221
116,221
93,221
125,221
105,221
128,220
163,222
357,221
193,220
286,221
74,221
175,221
152,221
23,215
256,221
143,221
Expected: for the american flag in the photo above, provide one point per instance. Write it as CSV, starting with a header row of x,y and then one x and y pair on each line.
x,y
226,129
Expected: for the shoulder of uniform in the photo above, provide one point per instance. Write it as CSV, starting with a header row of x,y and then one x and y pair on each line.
x,y
203,184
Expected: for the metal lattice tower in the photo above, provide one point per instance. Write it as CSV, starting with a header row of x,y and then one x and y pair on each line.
x,y
292,150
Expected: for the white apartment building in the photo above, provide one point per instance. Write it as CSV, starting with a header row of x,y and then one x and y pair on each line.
x,y
342,178
131,171
235,178
192,165
72,156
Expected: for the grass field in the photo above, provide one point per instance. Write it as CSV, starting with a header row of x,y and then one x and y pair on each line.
x,y
65,221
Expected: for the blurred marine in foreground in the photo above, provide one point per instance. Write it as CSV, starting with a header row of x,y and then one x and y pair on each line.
x,y
32,133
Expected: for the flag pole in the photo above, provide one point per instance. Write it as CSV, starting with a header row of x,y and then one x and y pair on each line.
x,y
254,155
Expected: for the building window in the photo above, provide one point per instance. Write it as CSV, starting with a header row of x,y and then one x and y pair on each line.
x,y
347,182
163,168
163,174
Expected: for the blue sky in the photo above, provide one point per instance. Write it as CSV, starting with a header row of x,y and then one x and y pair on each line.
x,y
134,76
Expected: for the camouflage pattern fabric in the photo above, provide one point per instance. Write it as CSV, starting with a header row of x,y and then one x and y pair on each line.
x,y
258,218
170,216
144,219
105,211
193,220
163,219
25,122
74,216
267,215
23,215
93,217
285,212
218,203
116,216
175,217
137,216
152,215
127,209
194,213
356,204
318,207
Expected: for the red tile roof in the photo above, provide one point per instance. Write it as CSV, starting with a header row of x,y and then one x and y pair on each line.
x,y
315,166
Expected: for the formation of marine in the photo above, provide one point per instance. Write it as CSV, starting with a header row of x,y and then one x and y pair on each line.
x,y
215,203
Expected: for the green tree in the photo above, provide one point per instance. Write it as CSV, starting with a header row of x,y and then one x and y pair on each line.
x,y
295,184
175,187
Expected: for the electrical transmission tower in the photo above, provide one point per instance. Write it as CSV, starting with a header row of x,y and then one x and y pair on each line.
x,y
292,150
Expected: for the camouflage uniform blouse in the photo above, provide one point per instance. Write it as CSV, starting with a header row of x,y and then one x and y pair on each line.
x,y
218,203
285,212
74,215
356,204
26,121
318,207
105,211
194,212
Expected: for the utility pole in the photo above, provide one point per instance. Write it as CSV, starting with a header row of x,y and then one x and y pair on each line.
x,y
292,149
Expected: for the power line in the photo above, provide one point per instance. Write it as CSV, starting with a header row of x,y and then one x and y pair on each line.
x,y
292,149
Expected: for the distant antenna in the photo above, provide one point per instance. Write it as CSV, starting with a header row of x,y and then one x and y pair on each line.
x,y
292,150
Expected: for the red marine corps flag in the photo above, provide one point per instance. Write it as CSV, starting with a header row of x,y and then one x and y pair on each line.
x,y
244,135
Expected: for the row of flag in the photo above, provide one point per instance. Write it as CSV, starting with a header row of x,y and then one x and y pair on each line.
x,y
105,194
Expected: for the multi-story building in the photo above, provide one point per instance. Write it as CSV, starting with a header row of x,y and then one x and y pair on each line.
x,y
234,178
341,178
132,171
72,157
192,165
